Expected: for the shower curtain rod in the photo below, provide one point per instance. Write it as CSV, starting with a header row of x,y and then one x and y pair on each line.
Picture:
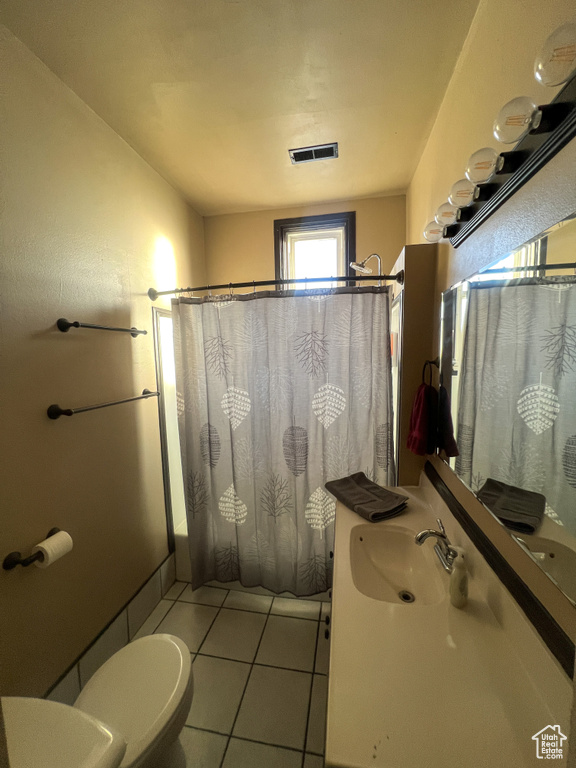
x,y
399,277
534,267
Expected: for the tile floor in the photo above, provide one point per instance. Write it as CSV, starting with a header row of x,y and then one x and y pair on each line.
x,y
260,677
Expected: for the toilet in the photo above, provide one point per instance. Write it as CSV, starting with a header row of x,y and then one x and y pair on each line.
x,y
143,692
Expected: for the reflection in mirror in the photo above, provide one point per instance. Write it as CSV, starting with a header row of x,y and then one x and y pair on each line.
x,y
509,365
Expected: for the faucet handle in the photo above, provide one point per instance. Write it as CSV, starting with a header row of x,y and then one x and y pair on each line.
x,y
440,525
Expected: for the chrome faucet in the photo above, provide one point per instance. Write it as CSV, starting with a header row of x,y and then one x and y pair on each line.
x,y
446,554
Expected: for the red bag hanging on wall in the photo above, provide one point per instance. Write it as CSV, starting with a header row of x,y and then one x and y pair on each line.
x,y
424,417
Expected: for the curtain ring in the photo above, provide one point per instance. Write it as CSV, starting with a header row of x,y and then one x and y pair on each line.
x,y
230,289
254,287
209,291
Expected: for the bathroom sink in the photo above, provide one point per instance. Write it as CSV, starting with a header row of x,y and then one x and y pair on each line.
x,y
51,735
387,565
558,560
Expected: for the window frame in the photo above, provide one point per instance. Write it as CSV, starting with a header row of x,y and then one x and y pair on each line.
x,y
302,224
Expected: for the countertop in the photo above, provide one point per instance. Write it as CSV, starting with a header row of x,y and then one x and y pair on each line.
x,y
418,686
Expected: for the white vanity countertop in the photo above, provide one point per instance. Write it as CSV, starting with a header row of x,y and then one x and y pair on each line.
x,y
428,686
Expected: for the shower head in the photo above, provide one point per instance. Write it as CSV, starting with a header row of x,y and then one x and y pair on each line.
x,y
360,267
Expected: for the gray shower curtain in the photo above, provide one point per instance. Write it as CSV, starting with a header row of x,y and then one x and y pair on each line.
x,y
517,402
278,392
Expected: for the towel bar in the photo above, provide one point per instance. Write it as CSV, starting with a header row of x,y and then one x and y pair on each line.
x,y
54,411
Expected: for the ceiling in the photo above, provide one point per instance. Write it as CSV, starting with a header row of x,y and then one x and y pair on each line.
x,y
213,93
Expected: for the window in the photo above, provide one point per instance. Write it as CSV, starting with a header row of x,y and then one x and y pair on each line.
x,y
315,246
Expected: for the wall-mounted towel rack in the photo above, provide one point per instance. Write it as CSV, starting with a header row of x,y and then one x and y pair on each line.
x,y
54,411
65,325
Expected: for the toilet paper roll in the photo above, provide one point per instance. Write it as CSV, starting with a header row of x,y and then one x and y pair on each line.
x,y
53,548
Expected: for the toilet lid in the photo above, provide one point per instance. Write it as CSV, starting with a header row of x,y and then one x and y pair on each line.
x,y
138,690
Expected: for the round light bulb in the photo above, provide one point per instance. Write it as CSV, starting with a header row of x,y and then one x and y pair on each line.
x,y
515,119
447,214
433,232
556,62
463,193
483,164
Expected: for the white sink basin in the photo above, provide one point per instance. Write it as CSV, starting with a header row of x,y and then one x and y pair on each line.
x,y
51,735
388,565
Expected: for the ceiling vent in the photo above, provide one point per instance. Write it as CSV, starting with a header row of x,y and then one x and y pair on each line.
x,y
308,154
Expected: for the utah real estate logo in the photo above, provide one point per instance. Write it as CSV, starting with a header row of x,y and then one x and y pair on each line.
x,y
549,743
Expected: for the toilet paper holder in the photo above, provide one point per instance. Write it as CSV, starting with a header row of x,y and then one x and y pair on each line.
x,y
15,558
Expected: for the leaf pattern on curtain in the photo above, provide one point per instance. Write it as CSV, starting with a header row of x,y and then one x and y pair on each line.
x,y
313,574
384,445
318,298
261,552
362,388
221,302
559,344
311,351
523,467
557,286
338,453
320,510
538,405
282,320
193,393
274,387
495,385
248,458
271,413
477,481
349,331
328,403
251,334
232,507
569,460
209,445
295,448
370,473
236,405
218,353
465,446
527,438
515,323
227,562
367,390
275,498
196,493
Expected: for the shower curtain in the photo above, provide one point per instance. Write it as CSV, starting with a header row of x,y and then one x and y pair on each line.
x,y
516,411
278,392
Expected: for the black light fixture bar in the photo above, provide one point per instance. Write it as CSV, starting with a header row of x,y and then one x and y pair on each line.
x,y
558,128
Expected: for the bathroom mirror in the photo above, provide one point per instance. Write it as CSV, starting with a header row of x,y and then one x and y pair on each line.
x,y
508,363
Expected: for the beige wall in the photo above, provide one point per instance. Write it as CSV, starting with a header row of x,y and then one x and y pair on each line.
x,y
496,64
87,227
240,246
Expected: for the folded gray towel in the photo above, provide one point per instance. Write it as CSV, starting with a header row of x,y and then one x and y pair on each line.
x,y
367,499
518,509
